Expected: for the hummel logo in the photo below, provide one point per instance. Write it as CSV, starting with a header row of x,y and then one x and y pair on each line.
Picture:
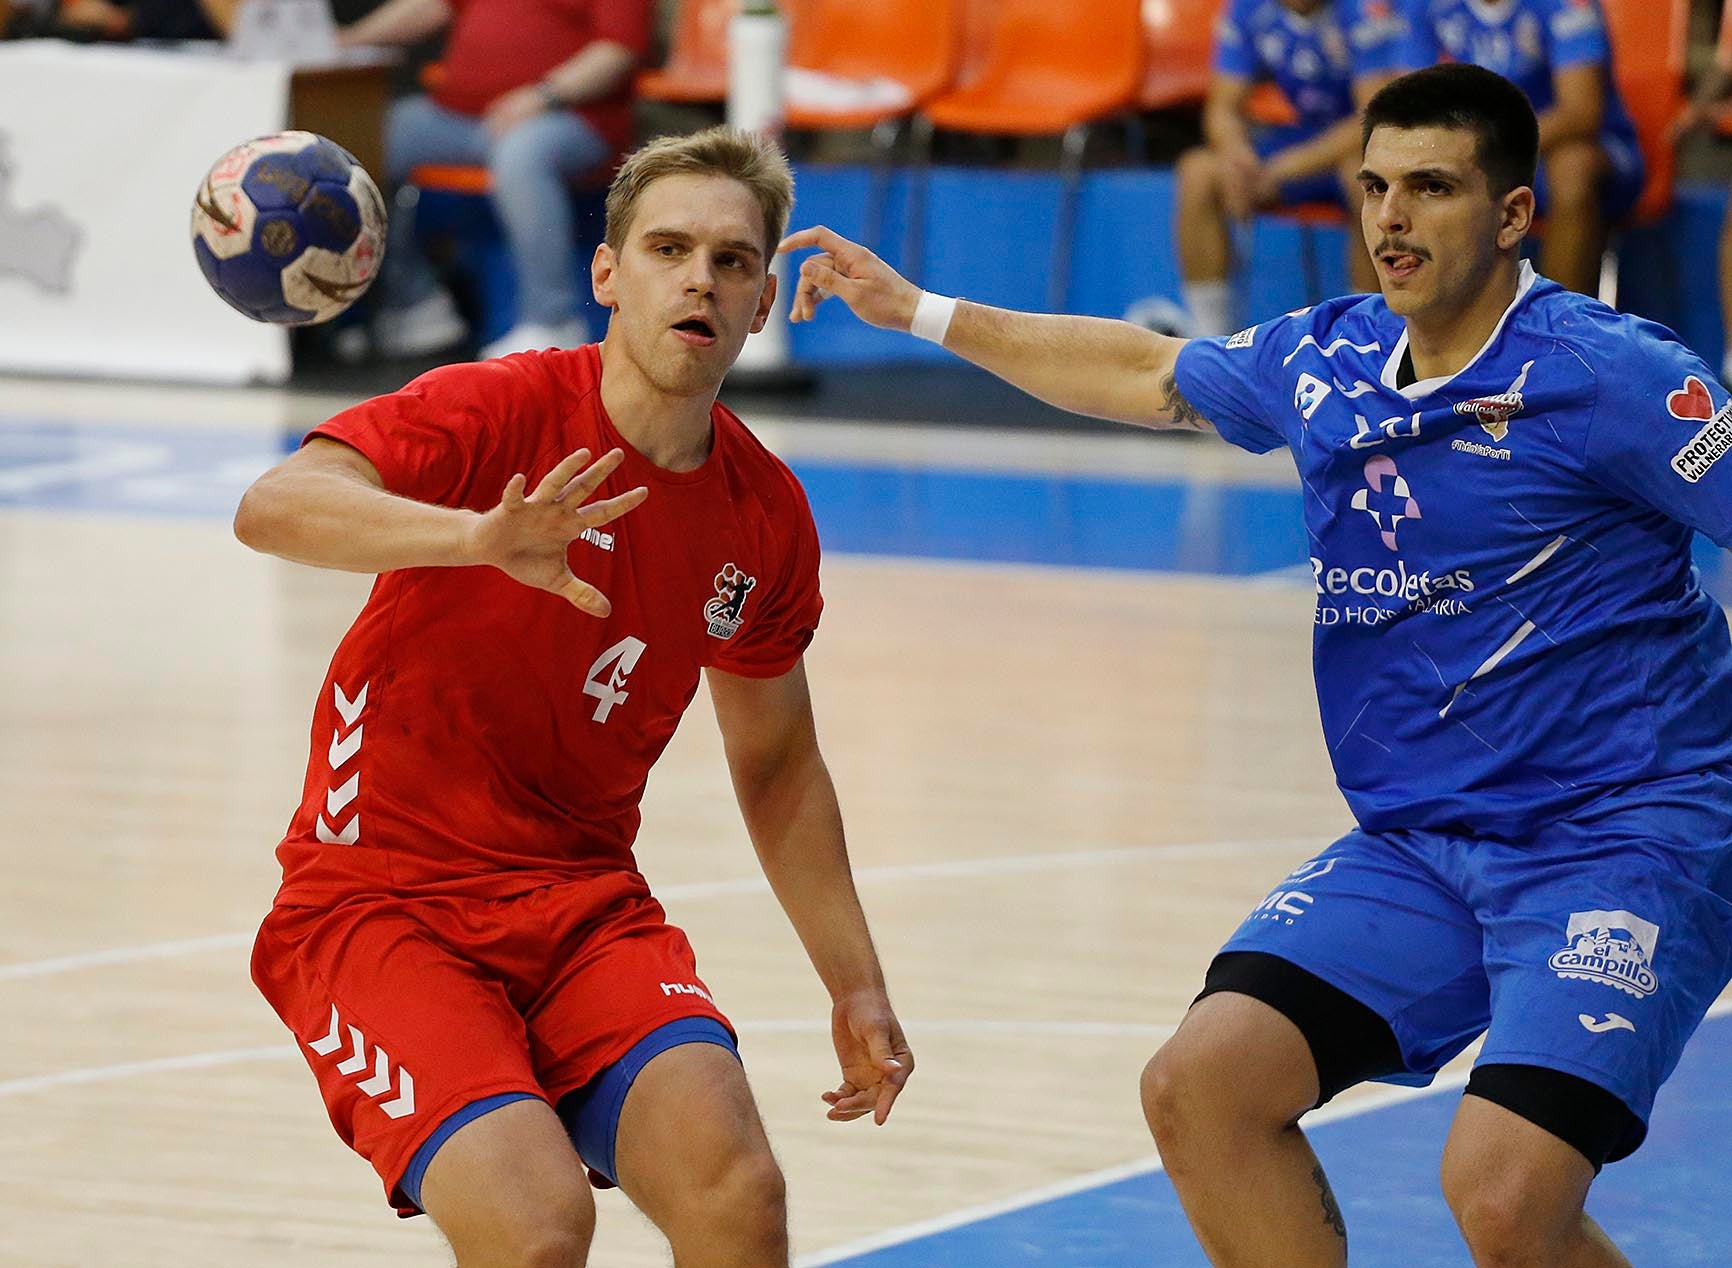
x,y
596,538
1613,1022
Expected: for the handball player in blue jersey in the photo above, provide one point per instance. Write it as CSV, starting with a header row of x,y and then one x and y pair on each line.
x,y
1526,695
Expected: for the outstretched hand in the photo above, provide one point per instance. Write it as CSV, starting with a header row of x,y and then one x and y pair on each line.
x,y
874,1057
878,294
526,535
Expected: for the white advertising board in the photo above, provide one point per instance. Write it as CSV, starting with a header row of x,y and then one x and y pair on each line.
x,y
101,152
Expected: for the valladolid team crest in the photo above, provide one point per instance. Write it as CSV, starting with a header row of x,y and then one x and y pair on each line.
x,y
1494,412
1615,948
723,611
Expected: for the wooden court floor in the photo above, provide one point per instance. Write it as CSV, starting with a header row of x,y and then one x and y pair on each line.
x,y
1063,789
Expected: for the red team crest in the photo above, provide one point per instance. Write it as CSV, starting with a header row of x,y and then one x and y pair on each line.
x,y
723,611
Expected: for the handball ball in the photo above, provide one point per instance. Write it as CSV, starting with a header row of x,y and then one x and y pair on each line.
x,y
289,228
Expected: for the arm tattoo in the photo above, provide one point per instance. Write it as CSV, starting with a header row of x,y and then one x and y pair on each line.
x,y
1331,1210
1184,414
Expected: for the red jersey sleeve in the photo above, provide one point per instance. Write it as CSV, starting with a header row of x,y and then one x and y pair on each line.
x,y
629,22
774,640
437,439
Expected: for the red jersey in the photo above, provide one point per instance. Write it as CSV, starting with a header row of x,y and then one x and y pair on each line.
x,y
497,45
479,735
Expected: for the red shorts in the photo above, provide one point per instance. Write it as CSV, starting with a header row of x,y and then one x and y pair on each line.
x,y
407,1009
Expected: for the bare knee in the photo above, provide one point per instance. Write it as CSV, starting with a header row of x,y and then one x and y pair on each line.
x,y
1164,1099
1236,1067
746,1201
1509,1216
1199,176
1190,1094
554,1248
1504,1226
507,1192
1575,171
550,1239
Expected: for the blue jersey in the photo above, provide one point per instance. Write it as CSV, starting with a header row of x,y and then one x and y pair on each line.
x,y
1526,41
1508,623
1306,55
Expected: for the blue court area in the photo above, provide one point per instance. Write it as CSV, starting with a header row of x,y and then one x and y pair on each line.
x,y
1168,524
1666,1206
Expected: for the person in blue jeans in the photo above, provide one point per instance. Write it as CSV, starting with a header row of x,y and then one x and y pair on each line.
x,y
538,92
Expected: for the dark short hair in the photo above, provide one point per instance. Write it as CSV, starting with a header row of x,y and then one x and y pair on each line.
x,y
1472,98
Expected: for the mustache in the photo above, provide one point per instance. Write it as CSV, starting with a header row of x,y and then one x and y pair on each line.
x,y
1397,247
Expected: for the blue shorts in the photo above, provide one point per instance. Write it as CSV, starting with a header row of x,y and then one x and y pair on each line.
x,y
1319,187
590,1114
1595,948
1624,182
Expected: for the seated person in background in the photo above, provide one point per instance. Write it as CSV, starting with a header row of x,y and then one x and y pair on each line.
x,y
1713,90
1556,51
538,91
1302,46
144,19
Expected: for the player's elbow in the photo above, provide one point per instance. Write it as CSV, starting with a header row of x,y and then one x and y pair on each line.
x,y
260,515
250,518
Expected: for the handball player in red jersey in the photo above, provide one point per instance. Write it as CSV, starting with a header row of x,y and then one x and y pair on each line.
x,y
476,972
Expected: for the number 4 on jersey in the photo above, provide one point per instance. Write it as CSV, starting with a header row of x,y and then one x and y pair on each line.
x,y
608,691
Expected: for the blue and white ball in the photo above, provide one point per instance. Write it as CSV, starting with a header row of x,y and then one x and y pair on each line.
x,y
289,228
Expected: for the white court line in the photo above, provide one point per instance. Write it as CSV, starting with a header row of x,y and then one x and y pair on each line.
x,y
936,445
977,1026
1003,865
124,955
1379,1099
781,1026
1095,1179
104,1073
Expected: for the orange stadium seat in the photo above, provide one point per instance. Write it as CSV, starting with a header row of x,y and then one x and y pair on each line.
x,y
1649,39
1047,68
1179,37
451,178
1269,106
979,17
1035,68
915,43
696,69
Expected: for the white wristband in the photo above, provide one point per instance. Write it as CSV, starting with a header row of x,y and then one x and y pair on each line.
x,y
932,317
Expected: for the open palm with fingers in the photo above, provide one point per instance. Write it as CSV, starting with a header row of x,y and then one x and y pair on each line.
x,y
526,535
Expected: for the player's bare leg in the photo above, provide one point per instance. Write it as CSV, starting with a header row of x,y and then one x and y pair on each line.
x,y
692,1155
507,1191
1575,235
1726,295
1517,1191
1223,1097
1204,242
1361,268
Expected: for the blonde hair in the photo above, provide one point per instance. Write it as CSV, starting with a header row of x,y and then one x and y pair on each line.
x,y
748,157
